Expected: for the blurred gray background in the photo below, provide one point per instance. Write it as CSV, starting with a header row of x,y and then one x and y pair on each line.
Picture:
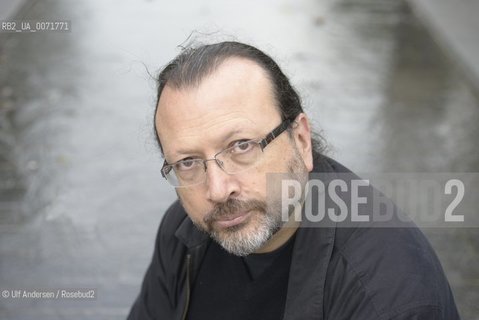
x,y
392,84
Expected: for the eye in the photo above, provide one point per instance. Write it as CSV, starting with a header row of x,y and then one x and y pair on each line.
x,y
242,146
186,164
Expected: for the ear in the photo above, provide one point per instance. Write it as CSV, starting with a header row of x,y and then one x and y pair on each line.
x,y
302,137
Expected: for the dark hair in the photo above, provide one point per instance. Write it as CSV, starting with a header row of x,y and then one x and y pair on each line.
x,y
194,63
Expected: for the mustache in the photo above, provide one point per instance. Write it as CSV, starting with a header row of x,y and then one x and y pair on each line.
x,y
233,206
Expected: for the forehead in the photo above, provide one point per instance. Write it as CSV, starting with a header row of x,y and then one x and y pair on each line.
x,y
236,97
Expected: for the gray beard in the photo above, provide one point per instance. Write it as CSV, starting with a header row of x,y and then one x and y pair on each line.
x,y
244,242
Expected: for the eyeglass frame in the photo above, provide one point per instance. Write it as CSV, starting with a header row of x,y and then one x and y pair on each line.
x,y
273,134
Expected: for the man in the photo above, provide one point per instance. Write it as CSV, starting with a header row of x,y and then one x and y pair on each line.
x,y
226,117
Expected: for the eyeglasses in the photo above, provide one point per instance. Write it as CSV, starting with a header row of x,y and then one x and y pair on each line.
x,y
232,160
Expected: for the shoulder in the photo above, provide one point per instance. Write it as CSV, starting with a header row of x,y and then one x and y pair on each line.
x,y
159,292
387,270
393,271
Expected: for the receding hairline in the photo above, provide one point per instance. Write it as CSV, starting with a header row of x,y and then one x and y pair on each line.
x,y
229,59
178,83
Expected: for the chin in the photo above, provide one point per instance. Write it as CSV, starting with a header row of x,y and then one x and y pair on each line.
x,y
246,238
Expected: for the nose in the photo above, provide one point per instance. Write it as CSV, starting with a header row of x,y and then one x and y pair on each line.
x,y
221,185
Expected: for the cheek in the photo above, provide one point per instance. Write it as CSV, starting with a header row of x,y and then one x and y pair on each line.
x,y
254,183
275,161
255,180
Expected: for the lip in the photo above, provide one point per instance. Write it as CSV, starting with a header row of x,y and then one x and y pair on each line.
x,y
233,220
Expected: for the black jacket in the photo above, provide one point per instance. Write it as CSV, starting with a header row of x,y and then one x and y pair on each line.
x,y
336,273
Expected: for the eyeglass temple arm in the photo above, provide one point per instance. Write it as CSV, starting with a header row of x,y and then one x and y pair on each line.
x,y
273,134
162,169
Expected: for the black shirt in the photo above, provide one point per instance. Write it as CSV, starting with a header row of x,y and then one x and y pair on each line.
x,y
362,273
231,287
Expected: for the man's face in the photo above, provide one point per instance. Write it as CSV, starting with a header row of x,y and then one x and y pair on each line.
x,y
234,103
